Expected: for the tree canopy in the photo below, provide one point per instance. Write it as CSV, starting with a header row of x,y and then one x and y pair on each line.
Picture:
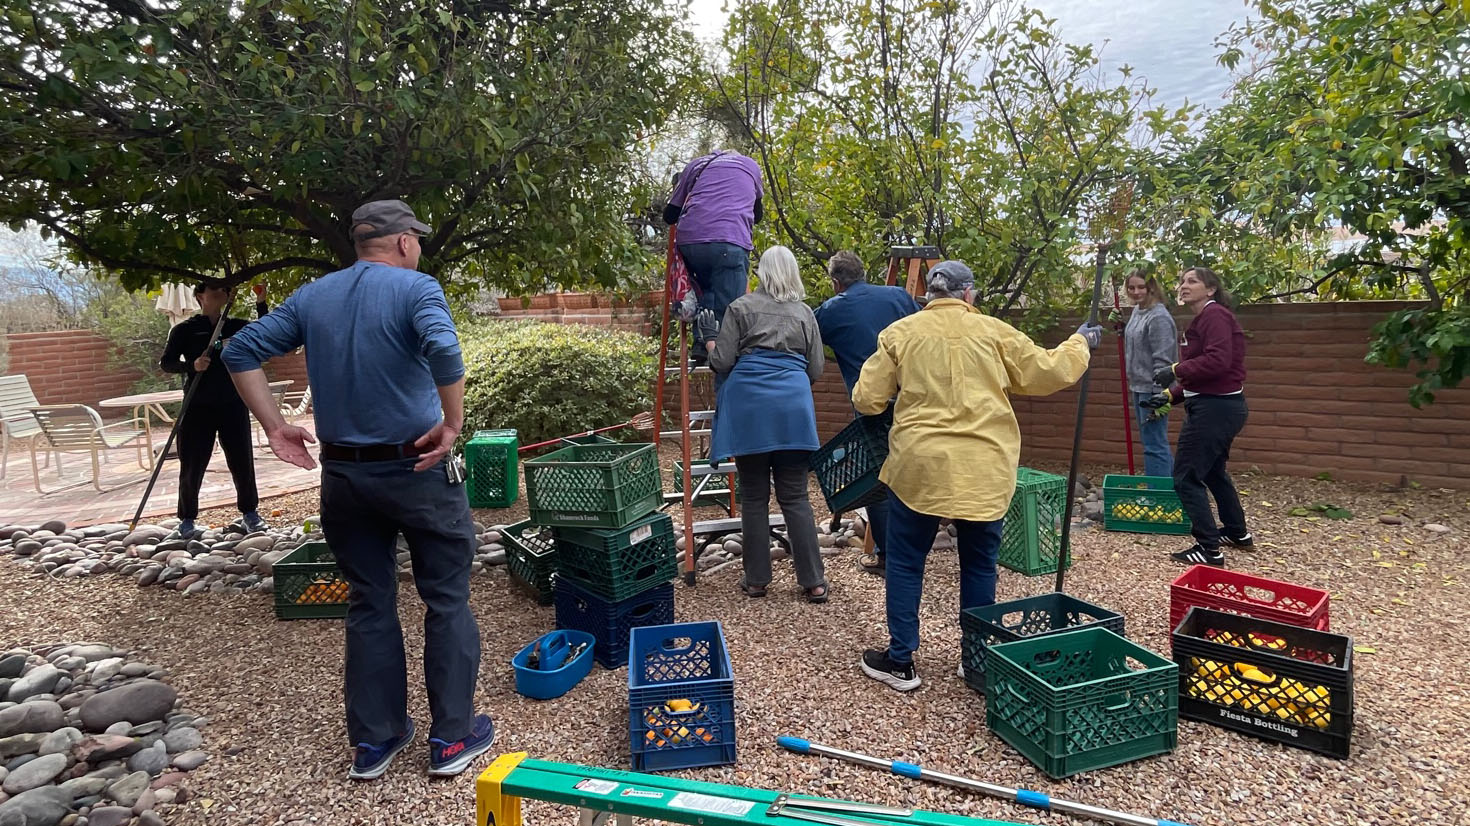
x,y
1353,118
192,139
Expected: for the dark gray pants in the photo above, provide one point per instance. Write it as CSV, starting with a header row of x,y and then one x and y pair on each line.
x,y
364,507
789,469
1210,428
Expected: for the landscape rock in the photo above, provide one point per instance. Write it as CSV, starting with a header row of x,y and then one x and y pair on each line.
x,y
39,680
182,739
109,816
140,701
37,773
39,716
45,806
126,790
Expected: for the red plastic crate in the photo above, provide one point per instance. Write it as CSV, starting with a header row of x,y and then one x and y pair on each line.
x,y
1221,590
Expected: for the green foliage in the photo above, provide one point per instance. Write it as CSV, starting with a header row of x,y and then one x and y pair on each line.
x,y
1356,118
138,333
548,380
957,124
191,139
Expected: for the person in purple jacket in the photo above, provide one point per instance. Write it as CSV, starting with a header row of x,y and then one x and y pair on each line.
x,y
1210,379
715,204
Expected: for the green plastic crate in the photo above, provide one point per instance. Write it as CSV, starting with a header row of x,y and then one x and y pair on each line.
x,y
1032,534
1083,700
1024,618
594,486
716,491
619,564
1142,504
308,584
847,466
491,459
530,554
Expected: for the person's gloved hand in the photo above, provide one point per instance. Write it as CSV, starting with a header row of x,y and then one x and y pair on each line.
x,y
1159,403
1114,316
1091,332
1165,377
706,326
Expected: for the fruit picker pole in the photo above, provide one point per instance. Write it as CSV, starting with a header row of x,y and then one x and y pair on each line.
x,y
193,385
1118,330
1035,800
1105,227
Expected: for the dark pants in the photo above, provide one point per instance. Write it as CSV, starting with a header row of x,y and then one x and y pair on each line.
x,y
197,432
788,468
878,525
1210,426
722,272
910,538
364,507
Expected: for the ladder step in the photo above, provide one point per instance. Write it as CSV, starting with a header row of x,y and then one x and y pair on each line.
x,y
727,525
693,371
702,469
701,416
676,434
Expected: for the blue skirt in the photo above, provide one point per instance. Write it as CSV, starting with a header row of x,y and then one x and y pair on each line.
x,y
764,404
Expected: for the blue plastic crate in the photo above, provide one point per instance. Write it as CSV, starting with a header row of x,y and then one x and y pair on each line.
x,y
582,610
686,662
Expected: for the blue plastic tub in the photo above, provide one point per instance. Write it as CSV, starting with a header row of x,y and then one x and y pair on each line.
x,y
681,697
555,647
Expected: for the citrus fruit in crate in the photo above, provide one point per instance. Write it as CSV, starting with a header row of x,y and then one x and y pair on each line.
x,y
324,591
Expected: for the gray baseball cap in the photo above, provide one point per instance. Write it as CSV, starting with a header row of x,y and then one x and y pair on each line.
x,y
385,218
950,276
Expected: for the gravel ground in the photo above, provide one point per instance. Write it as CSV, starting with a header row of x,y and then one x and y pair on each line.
x,y
273,689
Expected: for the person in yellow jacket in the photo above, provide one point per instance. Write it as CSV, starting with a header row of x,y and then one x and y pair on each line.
x,y
954,445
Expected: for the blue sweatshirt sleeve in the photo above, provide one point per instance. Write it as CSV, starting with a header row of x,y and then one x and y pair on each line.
x,y
265,338
438,340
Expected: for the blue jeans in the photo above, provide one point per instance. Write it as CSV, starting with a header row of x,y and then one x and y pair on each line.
x,y
1157,460
364,507
878,525
722,272
910,537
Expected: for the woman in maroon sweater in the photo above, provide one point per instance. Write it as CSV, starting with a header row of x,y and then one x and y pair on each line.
x,y
1209,378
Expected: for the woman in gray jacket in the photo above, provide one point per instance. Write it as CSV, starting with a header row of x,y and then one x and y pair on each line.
x,y
1150,344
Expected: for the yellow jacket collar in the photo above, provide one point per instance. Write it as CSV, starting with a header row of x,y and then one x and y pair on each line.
x,y
942,303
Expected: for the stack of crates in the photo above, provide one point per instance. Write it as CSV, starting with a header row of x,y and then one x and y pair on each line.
x,y
491,459
1031,540
614,553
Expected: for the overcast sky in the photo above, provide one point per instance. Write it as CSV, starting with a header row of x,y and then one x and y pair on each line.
x,y
1170,42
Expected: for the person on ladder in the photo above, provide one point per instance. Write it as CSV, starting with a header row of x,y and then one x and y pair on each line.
x,y
715,205
955,443
850,322
215,411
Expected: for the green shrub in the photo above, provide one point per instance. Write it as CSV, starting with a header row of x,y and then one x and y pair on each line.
x,y
548,380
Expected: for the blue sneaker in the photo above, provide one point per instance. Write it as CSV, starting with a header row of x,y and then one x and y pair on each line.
x,y
186,530
370,762
449,759
253,523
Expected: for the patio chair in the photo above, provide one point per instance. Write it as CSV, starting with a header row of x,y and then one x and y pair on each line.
x,y
16,421
77,428
285,404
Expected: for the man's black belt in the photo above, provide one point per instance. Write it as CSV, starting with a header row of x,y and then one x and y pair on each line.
x,y
370,453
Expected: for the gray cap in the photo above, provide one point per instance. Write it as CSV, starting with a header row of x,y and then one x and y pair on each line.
x,y
950,277
386,218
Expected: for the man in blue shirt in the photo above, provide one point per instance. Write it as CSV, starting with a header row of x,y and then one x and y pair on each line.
x,y
850,322
387,383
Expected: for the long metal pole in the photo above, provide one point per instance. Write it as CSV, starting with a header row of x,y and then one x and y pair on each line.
x,y
1037,800
1064,555
193,385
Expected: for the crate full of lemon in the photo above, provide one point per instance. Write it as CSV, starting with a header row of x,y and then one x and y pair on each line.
x,y
1280,682
1142,504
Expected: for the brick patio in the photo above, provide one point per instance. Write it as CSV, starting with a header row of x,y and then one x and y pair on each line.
x,y
83,505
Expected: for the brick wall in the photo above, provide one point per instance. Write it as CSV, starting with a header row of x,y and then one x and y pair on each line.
x,y
1315,405
638,315
71,366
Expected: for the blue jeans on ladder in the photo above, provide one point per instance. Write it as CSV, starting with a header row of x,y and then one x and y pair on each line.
x,y
910,538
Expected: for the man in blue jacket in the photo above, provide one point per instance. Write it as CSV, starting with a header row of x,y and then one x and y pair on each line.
x,y
850,322
387,382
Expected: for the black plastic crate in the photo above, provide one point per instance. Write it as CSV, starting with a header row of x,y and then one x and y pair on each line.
x,y
1279,682
1035,616
847,466
530,555
611,622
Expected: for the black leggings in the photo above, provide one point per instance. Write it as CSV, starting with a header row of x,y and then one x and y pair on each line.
x,y
231,422
1211,426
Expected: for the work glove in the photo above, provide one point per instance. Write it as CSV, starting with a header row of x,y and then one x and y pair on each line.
x,y
1091,332
1159,404
706,326
1115,317
1165,377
